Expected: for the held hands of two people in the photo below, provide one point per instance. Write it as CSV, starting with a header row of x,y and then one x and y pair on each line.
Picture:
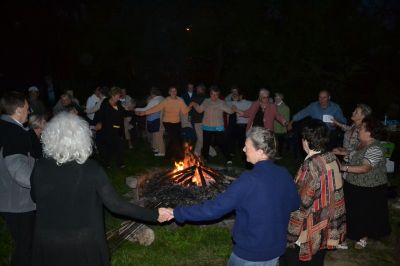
x,y
140,113
165,214
193,104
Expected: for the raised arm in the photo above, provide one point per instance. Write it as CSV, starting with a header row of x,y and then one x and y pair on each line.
x,y
227,109
214,209
117,205
302,113
253,109
339,115
197,107
184,109
159,107
151,104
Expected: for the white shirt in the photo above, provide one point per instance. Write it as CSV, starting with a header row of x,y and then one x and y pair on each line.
x,y
92,106
241,105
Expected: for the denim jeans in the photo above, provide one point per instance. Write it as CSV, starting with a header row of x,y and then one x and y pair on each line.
x,y
236,261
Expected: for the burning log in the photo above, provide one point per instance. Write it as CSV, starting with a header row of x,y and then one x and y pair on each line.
x,y
212,173
203,180
184,177
176,174
188,182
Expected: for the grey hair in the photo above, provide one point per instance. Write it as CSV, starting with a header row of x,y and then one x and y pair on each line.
x,y
66,138
36,121
365,109
263,139
263,92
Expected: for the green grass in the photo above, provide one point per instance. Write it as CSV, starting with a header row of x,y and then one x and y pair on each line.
x,y
187,245
197,245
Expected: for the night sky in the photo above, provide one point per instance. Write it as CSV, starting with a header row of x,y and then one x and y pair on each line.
x,y
293,46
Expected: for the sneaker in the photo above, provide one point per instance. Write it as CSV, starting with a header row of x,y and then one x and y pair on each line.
x,y
159,154
342,246
360,244
229,162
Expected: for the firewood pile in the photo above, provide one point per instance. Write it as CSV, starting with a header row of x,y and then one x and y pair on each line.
x,y
176,188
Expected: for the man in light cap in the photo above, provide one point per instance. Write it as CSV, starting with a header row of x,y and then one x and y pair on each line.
x,y
36,105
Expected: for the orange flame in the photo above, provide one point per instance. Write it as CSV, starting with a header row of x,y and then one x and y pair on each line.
x,y
189,160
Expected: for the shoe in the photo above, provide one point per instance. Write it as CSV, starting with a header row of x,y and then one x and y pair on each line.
x,y
360,244
159,154
342,246
229,162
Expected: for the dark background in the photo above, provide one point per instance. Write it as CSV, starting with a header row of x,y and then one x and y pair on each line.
x,y
297,47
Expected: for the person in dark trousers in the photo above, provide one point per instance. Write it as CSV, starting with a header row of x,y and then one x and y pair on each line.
x,y
172,107
16,164
320,222
213,123
109,122
71,191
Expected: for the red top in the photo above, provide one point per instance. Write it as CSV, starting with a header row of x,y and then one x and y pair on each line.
x,y
270,114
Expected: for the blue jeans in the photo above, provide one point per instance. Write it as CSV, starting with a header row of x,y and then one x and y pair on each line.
x,y
236,261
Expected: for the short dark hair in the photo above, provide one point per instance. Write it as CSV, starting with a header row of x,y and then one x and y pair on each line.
x,y
325,90
155,91
11,101
374,127
214,88
173,87
104,90
315,132
202,86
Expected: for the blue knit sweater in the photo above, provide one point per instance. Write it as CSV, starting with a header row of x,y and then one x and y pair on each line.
x,y
263,199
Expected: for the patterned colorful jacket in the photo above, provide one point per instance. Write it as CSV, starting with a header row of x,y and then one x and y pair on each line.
x,y
320,223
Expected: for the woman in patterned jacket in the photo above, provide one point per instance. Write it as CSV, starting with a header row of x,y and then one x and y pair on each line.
x,y
320,222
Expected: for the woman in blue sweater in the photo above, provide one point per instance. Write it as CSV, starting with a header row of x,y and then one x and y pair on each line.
x,y
262,198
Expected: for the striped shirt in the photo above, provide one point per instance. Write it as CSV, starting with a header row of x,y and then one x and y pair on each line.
x,y
373,154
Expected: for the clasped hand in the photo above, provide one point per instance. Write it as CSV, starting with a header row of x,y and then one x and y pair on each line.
x,y
165,214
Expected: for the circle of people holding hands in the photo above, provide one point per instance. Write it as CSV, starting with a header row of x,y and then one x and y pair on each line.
x,y
52,193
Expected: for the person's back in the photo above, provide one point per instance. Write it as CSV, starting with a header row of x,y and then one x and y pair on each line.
x,y
70,191
70,213
69,219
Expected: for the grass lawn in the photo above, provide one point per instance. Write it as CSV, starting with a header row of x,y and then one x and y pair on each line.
x,y
196,245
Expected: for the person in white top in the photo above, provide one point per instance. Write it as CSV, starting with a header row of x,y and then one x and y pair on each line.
x,y
236,131
153,122
93,102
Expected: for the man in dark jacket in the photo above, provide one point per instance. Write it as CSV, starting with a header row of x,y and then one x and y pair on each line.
x,y
16,164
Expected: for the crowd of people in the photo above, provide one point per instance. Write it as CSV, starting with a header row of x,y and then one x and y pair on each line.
x,y
52,191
